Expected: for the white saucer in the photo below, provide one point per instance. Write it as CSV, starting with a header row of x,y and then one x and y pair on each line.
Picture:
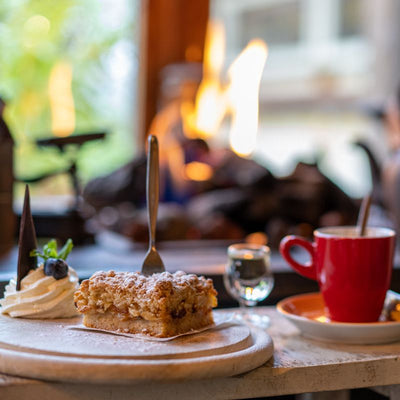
x,y
307,312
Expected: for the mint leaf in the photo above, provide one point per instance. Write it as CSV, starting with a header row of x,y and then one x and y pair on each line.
x,y
50,250
35,253
63,254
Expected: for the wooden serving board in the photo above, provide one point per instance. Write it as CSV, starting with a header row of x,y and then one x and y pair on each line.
x,y
47,349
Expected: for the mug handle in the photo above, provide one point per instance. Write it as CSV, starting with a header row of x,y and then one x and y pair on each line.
x,y
308,269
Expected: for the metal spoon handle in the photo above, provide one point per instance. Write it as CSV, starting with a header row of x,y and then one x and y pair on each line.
x,y
364,214
152,187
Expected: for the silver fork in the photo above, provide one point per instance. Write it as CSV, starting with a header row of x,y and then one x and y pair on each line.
x,y
152,263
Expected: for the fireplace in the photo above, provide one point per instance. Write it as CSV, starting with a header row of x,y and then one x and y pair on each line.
x,y
211,188
214,184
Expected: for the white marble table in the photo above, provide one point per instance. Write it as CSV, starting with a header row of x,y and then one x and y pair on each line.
x,y
299,365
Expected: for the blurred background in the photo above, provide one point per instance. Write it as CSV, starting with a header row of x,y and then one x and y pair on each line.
x,y
273,116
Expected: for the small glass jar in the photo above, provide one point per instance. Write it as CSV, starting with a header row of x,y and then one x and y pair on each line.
x,y
248,276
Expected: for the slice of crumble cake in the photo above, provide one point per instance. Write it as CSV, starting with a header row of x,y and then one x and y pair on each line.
x,y
160,305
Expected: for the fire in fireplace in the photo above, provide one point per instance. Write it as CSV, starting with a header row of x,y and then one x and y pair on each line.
x,y
210,190
235,95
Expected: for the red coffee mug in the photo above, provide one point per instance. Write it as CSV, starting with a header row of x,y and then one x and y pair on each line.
x,y
353,272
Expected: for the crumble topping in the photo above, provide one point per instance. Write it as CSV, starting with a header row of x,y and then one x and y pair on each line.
x,y
163,296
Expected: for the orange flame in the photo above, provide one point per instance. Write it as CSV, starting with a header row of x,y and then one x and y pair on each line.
x,y
238,98
198,171
61,100
245,76
204,117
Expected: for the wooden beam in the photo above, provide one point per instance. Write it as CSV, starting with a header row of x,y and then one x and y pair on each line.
x,y
172,31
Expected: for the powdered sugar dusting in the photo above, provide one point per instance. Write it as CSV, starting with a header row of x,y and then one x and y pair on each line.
x,y
63,337
152,283
159,297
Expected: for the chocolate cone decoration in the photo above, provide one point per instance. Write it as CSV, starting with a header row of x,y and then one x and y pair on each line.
x,y
27,241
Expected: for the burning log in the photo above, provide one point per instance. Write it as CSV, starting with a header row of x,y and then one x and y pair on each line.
x,y
239,198
127,184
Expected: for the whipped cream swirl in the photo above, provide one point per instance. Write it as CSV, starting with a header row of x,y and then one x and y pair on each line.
x,y
41,296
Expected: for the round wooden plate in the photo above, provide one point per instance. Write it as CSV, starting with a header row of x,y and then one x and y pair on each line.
x,y
47,349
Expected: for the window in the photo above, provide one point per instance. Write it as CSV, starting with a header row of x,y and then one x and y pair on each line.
x,y
350,20
91,46
278,24
319,68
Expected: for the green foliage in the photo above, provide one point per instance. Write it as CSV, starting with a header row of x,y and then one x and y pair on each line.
x,y
50,250
34,36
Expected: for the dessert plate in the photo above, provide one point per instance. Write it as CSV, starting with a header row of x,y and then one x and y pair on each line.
x,y
47,349
307,312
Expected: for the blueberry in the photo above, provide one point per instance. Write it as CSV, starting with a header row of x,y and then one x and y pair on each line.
x,y
49,266
56,267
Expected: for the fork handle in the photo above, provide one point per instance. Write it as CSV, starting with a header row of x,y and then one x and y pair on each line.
x,y
152,187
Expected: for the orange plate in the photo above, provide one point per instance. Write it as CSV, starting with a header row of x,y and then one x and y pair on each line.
x,y
309,305
307,312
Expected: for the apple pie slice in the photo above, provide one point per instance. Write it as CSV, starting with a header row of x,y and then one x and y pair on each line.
x,y
160,305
